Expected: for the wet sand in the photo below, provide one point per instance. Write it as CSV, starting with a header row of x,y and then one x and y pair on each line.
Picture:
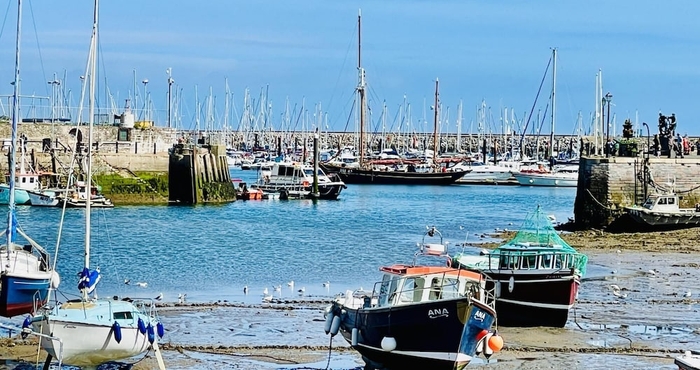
x,y
645,326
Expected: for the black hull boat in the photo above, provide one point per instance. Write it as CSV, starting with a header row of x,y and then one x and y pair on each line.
x,y
535,276
540,299
295,181
369,176
419,316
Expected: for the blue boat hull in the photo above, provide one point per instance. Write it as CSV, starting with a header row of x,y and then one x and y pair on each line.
x,y
19,295
21,196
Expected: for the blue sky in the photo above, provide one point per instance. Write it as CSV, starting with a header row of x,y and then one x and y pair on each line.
x,y
480,50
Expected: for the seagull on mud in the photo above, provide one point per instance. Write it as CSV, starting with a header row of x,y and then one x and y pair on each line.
x,y
159,297
181,298
291,284
327,284
265,291
245,289
653,272
301,291
267,298
688,294
617,292
278,288
127,281
142,284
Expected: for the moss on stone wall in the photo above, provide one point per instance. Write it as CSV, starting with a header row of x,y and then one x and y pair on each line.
x,y
147,188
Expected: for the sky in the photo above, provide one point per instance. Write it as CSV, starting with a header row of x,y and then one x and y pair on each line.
x,y
484,53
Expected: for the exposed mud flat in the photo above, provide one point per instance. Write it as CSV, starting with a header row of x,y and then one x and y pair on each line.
x,y
651,317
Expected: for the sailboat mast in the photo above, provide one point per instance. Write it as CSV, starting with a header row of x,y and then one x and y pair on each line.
x,y
91,118
361,87
13,147
435,126
554,100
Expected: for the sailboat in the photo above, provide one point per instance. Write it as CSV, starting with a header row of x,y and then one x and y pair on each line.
x,y
25,271
404,175
90,331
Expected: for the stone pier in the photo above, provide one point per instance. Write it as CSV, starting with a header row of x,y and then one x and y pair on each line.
x,y
606,185
199,174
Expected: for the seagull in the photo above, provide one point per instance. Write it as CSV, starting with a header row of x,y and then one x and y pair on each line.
x,y
245,289
327,284
127,281
301,291
653,272
159,297
181,298
291,283
278,288
267,298
142,284
461,227
619,251
688,294
265,292
617,292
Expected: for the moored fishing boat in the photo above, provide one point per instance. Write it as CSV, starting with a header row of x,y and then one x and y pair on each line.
x,y
419,316
664,210
296,180
566,176
536,275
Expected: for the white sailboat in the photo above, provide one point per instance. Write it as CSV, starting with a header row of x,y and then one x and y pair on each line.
x,y
25,271
90,331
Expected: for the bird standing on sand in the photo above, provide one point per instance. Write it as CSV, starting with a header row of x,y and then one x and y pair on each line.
x,y
245,289
181,298
301,291
142,284
267,298
327,284
617,292
159,297
291,284
265,291
688,294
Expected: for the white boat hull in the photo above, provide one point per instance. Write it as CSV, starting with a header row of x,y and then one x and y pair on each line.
x,y
486,176
86,344
531,179
43,198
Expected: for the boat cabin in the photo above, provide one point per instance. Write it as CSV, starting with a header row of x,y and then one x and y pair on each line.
x,y
403,284
527,256
662,203
26,181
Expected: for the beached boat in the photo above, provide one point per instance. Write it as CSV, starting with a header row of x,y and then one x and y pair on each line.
x,y
664,210
25,270
295,180
419,316
565,176
536,274
90,331
690,360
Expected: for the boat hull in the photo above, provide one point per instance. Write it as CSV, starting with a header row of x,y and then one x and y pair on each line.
x,y
447,328
651,218
20,295
539,299
329,191
45,198
21,196
688,361
86,332
362,176
545,180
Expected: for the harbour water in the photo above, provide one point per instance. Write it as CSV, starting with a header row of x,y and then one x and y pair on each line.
x,y
211,252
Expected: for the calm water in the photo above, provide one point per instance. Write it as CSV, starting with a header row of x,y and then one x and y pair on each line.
x,y
211,252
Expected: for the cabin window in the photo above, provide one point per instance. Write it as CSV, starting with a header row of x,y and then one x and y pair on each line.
x,y
123,316
558,261
412,290
509,262
671,201
435,289
662,201
387,290
528,262
24,179
31,180
450,288
546,261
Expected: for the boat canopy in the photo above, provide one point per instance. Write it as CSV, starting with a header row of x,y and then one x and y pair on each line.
x,y
538,235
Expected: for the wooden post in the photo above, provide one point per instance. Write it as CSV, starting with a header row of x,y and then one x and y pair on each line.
x,y
136,147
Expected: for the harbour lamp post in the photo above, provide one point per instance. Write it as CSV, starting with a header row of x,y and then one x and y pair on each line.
x,y
145,99
646,163
608,99
170,91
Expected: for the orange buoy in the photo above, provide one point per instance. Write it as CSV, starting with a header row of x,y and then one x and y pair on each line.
x,y
496,342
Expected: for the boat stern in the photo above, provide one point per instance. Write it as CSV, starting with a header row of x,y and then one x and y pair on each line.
x,y
477,337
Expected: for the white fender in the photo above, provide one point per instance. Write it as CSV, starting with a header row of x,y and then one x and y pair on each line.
x,y
353,337
329,322
511,284
335,326
388,344
55,280
485,345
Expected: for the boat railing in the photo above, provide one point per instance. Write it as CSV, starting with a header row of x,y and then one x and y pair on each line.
x,y
537,260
